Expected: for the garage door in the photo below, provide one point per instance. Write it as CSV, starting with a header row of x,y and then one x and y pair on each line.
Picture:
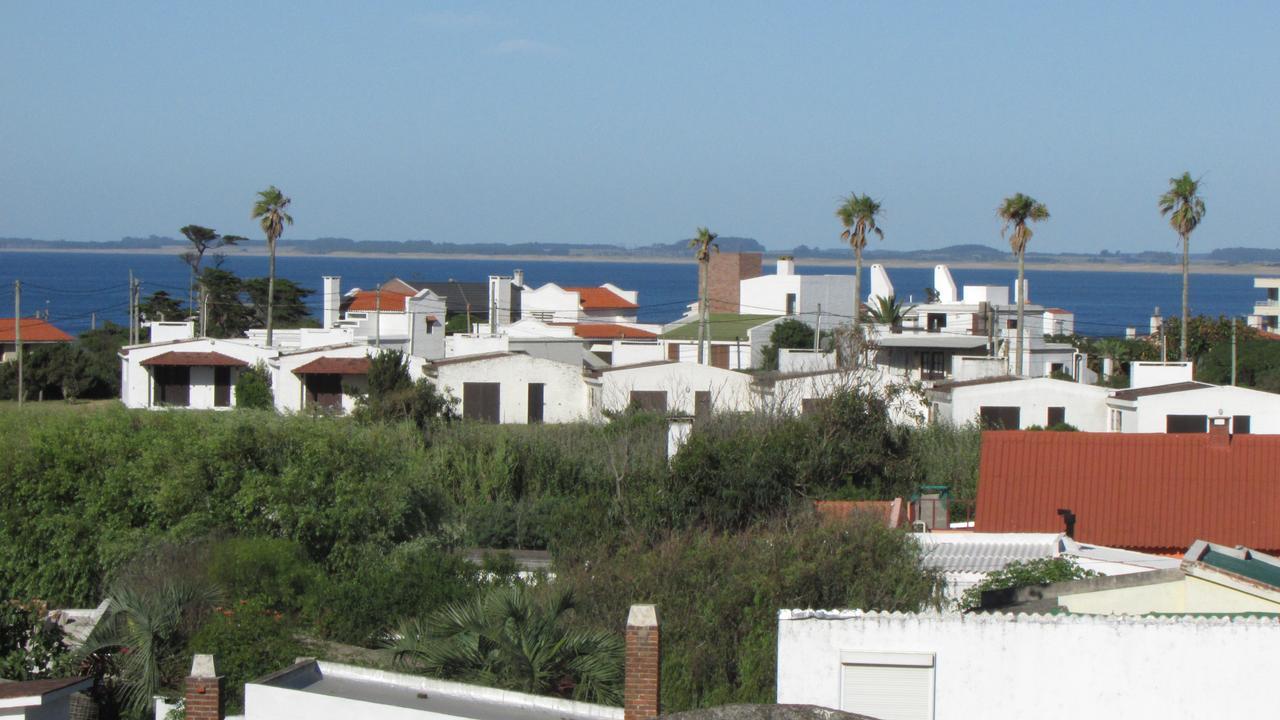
x,y
889,691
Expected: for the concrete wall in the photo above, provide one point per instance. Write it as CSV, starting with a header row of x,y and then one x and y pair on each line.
x,y
1086,405
792,361
566,395
730,390
1263,408
1046,667
630,353
767,295
1150,374
551,303
1185,595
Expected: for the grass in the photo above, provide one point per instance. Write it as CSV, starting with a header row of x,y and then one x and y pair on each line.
x,y
58,406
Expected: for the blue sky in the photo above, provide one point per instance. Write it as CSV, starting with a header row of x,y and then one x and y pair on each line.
x,y
633,123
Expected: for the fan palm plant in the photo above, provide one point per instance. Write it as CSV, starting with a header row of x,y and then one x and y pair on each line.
x,y
514,638
702,245
1016,211
145,631
270,210
1185,208
859,214
890,311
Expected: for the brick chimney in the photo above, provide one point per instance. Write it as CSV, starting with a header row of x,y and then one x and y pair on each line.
x,y
724,273
1219,432
203,696
644,661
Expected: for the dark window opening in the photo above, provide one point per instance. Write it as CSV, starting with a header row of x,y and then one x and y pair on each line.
x,y
1011,323
649,400
791,304
1240,424
173,385
480,401
324,390
937,322
933,365
1186,423
1000,417
1057,416
222,386
536,402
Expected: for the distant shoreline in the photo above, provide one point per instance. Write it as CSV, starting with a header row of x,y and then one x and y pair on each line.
x,y
1150,268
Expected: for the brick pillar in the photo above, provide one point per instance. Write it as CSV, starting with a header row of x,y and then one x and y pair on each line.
x,y
644,661
204,697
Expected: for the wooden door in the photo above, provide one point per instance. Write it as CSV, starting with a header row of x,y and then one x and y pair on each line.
x,y
480,401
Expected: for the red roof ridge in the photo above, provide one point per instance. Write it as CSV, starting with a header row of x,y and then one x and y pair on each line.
x,y
35,330
601,298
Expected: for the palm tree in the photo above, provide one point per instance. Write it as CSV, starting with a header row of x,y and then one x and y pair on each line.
x,y
510,637
1185,208
703,244
858,214
1016,212
147,630
890,311
270,210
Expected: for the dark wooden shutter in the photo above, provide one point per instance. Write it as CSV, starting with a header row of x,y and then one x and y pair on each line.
x,y
649,400
324,390
1000,417
222,386
1057,416
173,383
720,356
673,351
536,402
1240,424
1186,423
480,401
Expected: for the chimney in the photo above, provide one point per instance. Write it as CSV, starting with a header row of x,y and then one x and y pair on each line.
x,y
1219,432
786,265
203,697
517,277
644,661
332,299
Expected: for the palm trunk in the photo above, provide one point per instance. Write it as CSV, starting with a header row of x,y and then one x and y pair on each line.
x,y
1186,284
1022,301
857,305
271,290
702,311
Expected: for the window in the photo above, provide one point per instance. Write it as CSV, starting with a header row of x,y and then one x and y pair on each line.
x,y
702,404
649,400
1186,423
937,322
480,401
173,385
1116,421
536,403
933,365
1057,416
791,304
324,390
1240,424
222,386
720,356
1011,323
889,686
1058,368
1000,417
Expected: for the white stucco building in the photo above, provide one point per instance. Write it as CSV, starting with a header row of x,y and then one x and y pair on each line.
x,y
801,296
1190,406
1018,403
675,387
199,374
513,387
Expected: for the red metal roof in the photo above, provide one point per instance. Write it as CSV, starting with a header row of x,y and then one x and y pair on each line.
x,y
1146,492
367,301
334,366
610,331
194,359
598,298
34,330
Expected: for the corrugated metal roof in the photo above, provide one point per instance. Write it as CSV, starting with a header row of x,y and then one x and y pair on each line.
x,y
983,552
1153,492
1135,393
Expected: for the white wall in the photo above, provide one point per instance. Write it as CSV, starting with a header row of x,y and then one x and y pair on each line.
x,y
629,353
730,390
288,388
1044,666
767,295
1086,405
459,345
1150,374
792,361
1263,408
551,303
566,395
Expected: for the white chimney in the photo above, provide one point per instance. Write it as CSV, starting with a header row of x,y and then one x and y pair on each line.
x,y
944,284
881,285
786,265
517,277
332,299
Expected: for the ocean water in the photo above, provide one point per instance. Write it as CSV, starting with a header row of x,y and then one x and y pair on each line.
x,y
77,287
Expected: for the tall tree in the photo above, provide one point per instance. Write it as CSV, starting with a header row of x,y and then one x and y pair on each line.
x,y
203,240
1185,208
1016,211
702,245
271,210
859,214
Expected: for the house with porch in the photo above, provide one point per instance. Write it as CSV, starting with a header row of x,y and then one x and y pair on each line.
x,y
197,373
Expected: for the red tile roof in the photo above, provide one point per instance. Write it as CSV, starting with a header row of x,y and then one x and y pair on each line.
x,y
194,359
367,301
334,366
33,330
598,298
610,331
1144,492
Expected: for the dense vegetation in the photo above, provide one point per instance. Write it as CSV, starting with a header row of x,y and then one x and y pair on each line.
x,y
337,529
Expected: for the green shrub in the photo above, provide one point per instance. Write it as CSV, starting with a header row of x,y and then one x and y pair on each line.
x,y
1025,573
253,389
270,571
31,646
248,639
371,590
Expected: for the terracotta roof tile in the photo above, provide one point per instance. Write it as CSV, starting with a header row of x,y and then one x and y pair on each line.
x,y
34,330
598,298
194,359
1151,492
334,366
367,301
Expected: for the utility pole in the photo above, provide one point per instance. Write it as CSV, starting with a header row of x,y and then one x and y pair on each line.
x,y
204,311
17,331
93,321
377,318
132,314
817,328
1164,351
1233,352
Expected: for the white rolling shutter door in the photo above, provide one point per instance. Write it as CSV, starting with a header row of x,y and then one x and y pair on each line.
x,y
888,692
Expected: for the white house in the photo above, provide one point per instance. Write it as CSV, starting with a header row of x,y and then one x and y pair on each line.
x,y
198,373
513,387
1190,406
803,392
1017,403
674,387
804,297
605,304
325,378
1266,312
908,666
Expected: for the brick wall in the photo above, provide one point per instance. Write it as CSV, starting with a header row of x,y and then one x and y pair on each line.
x,y
203,692
644,661
725,272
